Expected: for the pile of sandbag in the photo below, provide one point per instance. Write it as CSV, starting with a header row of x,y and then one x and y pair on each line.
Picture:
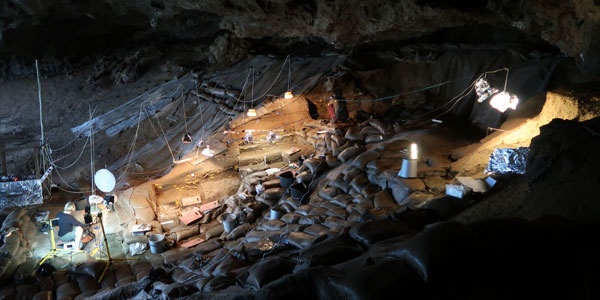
x,y
18,239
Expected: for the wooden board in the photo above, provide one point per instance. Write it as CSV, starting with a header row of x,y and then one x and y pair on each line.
x,y
191,201
190,217
209,206
192,242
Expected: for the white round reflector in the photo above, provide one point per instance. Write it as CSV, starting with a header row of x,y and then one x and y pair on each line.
x,y
105,180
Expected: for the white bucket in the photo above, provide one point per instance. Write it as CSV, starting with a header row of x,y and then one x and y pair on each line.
x,y
409,168
229,222
157,243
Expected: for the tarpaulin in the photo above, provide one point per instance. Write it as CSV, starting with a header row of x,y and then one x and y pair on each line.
x,y
20,193
508,161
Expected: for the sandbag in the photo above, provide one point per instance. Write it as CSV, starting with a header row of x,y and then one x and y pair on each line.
x,y
60,277
12,219
334,210
332,162
342,200
340,184
374,138
11,245
121,270
329,192
353,134
314,165
371,232
141,266
274,193
290,218
208,246
330,252
214,232
335,149
85,295
369,131
316,201
226,265
316,229
271,225
317,211
259,248
379,281
303,210
350,173
439,245
271,184
333,221
218,283
268,270
26,291
304,177
380,126
338,139
239,231
176,290
69,289
87,283
363,205
43,295
302,240
359,183
46,283
176,254
349,153
384,200
92,268
255,236
180,275
328,142
309,220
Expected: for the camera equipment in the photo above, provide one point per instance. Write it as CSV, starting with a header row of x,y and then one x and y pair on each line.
x,y
87,217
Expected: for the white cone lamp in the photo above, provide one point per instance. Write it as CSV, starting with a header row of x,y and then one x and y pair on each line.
x,y
409,166
288,95
251,112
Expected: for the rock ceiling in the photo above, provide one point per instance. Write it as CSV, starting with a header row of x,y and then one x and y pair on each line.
x,y
570,25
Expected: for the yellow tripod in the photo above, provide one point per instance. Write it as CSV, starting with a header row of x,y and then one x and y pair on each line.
x,y
109,260
54,252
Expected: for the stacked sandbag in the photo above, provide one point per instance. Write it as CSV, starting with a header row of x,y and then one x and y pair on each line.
x,y
20,235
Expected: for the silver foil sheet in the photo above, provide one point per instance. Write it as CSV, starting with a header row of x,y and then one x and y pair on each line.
x,y
508,161
20,193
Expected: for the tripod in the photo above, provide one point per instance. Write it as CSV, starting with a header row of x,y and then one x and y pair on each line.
x,y
109,260
54,252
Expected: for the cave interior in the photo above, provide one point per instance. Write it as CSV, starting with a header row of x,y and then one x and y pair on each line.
x,y
300,149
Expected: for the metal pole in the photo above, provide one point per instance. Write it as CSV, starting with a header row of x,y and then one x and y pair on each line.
x,y
42,138
37,71
92,151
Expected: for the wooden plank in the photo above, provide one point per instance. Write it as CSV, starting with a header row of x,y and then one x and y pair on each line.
x,y
192,242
